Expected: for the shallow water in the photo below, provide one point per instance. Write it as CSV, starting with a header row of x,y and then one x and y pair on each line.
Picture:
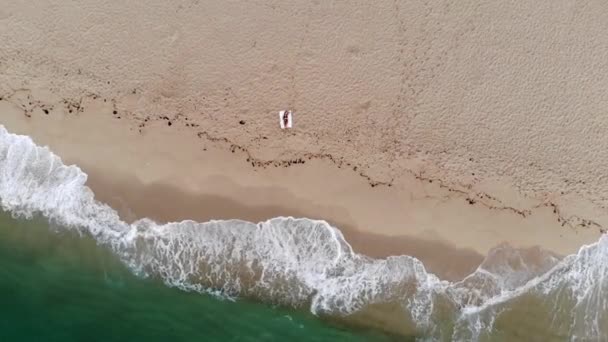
x,y
302,264
62,287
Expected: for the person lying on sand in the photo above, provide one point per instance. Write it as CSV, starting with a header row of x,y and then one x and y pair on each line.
x,y
285,117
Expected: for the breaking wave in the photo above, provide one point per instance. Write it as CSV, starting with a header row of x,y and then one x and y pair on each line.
x,y
308,263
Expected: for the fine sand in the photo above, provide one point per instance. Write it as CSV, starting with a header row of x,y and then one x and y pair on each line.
x,y
436,129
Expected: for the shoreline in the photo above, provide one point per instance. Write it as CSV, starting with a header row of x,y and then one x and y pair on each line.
x,y
438,137
426,121
388,317
196,171
133,200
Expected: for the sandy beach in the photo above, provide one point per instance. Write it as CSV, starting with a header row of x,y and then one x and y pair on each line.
x,y
387,150
438,130
170,173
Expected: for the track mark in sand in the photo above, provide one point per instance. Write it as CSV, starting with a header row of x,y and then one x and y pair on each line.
x,y
416,34
401,59
296,63
423,49
412,49
404,104
417,39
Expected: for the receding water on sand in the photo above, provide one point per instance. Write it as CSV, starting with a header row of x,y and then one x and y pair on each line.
x,y
76,278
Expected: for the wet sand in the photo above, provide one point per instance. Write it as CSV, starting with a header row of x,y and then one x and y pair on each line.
x,y
163,203
171,174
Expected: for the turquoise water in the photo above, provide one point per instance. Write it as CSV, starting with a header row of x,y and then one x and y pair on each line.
x,y
57,286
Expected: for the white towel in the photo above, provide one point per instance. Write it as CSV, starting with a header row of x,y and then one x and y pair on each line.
x,y
289,119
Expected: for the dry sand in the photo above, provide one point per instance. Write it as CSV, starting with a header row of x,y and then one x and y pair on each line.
x,y
456,123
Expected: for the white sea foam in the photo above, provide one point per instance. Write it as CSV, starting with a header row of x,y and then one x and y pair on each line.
x,y
302,261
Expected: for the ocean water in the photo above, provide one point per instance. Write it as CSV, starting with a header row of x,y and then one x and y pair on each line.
x,y
59,286
74,268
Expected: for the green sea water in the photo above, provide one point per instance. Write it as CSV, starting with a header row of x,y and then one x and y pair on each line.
x,y
57,286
